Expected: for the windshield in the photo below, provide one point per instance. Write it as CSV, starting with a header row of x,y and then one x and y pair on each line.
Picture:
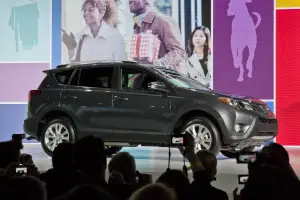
x,y
182,81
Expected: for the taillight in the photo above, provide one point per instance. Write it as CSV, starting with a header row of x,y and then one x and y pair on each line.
x,y
33,92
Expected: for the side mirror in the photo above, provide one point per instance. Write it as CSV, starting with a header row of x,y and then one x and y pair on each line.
x,y
157,87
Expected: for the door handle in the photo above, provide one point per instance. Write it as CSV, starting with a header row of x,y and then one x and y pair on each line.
x,y
69,97
118,98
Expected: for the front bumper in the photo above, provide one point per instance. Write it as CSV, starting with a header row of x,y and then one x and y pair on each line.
x,y
259,129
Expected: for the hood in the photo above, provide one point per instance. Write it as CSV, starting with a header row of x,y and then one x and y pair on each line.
x,y
238,97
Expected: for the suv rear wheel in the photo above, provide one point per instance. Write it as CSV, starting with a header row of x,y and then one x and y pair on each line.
x,y
57,131
205,134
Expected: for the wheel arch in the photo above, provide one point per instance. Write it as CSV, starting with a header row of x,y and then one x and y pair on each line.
x,y
50,116
197,113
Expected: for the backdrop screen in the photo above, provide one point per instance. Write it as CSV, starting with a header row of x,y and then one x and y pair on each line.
x,y
233,53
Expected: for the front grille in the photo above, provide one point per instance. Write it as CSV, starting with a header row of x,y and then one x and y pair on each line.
x,y
268,121
260,108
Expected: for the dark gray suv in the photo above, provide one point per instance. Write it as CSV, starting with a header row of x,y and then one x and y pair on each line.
x,y
128,104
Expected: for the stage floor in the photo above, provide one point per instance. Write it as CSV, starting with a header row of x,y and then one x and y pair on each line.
x,y
154,161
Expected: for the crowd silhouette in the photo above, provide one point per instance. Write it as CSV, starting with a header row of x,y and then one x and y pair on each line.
x,y
78,173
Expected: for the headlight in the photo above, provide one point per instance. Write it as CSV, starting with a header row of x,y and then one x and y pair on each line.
x,y
235,103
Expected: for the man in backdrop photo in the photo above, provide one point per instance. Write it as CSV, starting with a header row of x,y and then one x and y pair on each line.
x,y
170,52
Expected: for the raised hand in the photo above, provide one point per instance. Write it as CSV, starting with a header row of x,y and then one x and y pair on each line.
x,y
69,40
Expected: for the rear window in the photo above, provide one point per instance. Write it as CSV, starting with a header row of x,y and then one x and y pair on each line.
x,y
64,76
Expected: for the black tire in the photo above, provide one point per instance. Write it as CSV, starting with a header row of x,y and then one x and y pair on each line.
x,y
233,154
216,141
63,121
111,150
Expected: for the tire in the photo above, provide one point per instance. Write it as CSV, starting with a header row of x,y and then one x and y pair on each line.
x,y
205,125
66,126
233,154
111,150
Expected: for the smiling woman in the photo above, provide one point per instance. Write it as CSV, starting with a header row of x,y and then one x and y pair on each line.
x,y
99,39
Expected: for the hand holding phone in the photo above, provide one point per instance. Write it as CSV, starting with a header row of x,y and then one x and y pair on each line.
x,y
243,178
21,170
116,178
246,157
143,179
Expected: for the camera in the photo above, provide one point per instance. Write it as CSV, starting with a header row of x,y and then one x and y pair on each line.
x,y
243,178
246,157
21,170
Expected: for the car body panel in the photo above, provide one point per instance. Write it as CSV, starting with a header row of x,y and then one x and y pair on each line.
x,y
143,117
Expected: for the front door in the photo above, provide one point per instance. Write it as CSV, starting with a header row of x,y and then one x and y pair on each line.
x,y
143,114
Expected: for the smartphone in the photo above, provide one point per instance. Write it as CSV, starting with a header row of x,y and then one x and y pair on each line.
x,y
179,141
243,179
21,170
246,157
137,178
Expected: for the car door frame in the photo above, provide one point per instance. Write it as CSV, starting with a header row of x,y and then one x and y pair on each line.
x,y
83,131
145,136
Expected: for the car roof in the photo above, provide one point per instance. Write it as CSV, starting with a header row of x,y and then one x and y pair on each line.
x,y
75,65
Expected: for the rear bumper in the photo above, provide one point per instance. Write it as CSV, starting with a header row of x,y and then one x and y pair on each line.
x,y
30,127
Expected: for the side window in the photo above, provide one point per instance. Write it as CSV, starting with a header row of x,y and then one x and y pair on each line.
x,y
64,76
136,80
75,79
100,77
131,78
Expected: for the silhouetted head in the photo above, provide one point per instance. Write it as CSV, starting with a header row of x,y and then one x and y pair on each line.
x,y
90,192
25,187
276,151
10,152
124,163
271,182
209,162
154,191
63,156
176,180
90,155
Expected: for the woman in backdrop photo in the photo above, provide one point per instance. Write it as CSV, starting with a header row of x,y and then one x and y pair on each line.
x,y
199,65
99,39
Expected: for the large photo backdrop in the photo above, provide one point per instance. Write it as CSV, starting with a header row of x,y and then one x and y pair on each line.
x,y
228,45
64,31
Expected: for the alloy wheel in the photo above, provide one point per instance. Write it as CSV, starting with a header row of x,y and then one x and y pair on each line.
x,y
55,134
202,136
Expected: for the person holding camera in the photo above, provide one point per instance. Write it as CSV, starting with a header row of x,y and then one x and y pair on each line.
x,y
204,173
122,170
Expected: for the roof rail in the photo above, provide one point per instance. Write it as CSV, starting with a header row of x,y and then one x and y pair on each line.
x,y
62,66
94,62
129,61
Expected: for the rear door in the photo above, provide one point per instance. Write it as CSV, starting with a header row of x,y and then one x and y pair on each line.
x,y
89,96
143,115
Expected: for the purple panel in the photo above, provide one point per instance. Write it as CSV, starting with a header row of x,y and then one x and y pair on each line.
x,y
16,79
243,40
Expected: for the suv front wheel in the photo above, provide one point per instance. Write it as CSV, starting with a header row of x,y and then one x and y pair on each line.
x,y
57,131
205,134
